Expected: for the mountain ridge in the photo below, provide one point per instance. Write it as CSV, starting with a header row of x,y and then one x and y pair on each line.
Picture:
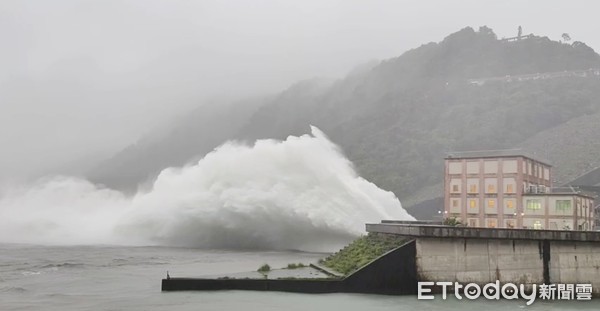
x,y
397,119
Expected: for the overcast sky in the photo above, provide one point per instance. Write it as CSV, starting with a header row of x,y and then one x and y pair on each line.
x,y
80,79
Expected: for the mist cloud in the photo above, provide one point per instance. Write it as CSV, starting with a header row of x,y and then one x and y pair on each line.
x,y
300,193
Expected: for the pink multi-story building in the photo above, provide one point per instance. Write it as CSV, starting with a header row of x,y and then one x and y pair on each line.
x,y
509,189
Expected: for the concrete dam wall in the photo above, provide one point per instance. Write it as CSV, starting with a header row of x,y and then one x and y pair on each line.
x,y
479,261
481,255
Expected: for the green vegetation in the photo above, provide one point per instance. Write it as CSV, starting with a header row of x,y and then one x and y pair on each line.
x,y
295,266
361,251
451,221
397,119
312,279
264,268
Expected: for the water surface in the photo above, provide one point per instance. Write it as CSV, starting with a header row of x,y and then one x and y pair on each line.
x,y
128,278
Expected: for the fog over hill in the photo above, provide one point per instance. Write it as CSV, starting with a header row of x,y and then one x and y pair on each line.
x,y
396,119
571,147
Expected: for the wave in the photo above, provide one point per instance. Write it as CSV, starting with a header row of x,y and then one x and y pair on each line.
x,y
300,193
12,289
62,265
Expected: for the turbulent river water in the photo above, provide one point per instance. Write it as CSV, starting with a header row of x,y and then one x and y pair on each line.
x,y
128,278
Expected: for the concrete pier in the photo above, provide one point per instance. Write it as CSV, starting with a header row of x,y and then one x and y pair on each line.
x,y
392,273
407,228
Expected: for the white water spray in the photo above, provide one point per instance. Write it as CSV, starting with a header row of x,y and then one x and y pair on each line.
x,y
300,193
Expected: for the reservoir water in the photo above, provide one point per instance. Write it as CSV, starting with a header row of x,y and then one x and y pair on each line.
x,y
128,278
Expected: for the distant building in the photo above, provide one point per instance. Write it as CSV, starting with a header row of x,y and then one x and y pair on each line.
x,y
509,189
597,218
590,182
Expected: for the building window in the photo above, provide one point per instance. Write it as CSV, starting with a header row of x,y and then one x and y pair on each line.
x,y
491,223
472,167
490,167
454,188
455,168
491,203
473,203
472,222
531,168
510,204
491,188
534,204
509,188
454,203
537,224
473,188
510,223
563,205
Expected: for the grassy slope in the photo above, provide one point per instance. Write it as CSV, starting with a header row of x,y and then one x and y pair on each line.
x,y
361,251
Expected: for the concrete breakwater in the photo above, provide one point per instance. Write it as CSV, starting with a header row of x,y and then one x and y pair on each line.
x,y
391,273
451,254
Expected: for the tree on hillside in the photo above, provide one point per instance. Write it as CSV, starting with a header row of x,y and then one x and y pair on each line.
x,y
484,30
566,37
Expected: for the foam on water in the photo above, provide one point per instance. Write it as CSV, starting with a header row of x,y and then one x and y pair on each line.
x,y
300,193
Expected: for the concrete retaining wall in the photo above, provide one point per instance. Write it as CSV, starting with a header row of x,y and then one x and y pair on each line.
x,y
301,286
483,255
391,273
577,262
480,261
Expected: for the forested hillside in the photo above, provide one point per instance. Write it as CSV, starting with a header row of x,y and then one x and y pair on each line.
x,y
396,120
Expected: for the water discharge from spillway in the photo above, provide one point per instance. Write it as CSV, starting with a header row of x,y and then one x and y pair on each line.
x,y
300,193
